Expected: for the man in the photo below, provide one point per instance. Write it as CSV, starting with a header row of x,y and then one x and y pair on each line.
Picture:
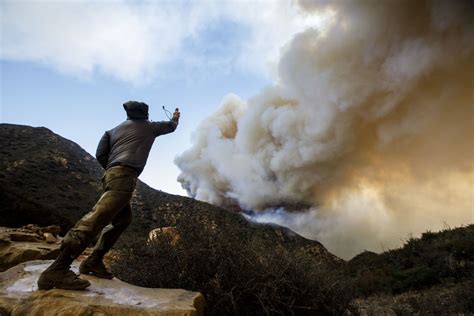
x,y
123,152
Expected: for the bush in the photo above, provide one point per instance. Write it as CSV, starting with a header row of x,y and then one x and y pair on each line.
x,y
435,258
237,274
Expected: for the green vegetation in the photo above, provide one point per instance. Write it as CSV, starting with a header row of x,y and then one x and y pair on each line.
x,y
444,257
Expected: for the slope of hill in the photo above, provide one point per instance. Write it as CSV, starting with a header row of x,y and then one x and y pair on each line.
x,y
46,179
430,275
434,258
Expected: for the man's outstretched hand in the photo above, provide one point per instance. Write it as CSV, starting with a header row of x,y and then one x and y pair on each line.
x,y
176,115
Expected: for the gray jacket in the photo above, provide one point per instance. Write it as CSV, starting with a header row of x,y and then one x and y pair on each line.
x,y
130,142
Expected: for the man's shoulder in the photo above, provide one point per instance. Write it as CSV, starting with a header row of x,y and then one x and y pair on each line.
x,y
129,123
132,125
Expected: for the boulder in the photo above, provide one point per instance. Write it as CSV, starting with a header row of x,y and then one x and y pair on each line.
x,y
21,244
19,295
169,233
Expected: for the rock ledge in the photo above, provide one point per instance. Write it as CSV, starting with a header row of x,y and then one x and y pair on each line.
x,y
24,244
19,295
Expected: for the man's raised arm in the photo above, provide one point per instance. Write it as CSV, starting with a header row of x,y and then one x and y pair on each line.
x,y
166,127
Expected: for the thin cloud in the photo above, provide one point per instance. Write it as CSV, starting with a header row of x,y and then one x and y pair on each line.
x,y
130,42
80,38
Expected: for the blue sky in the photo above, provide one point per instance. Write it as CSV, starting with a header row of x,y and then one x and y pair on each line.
x,y
69,66
81,110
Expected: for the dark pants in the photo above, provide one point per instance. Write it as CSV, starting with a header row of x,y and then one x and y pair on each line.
x,y
110,216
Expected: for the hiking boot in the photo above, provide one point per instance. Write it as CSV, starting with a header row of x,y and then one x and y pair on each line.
x,y
61,279
94,265
58,275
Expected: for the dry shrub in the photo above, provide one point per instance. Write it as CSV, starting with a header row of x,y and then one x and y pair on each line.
x,y
435,258
237,274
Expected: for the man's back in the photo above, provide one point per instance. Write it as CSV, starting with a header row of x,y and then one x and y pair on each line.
x,y
130,142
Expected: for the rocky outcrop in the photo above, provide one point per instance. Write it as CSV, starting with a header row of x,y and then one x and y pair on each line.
x,y
19,295
169,233
27,243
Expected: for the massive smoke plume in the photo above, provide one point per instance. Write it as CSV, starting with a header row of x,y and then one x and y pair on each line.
x,y
365,137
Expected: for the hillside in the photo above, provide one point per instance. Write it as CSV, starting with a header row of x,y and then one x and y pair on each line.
x,y
46,179
430,275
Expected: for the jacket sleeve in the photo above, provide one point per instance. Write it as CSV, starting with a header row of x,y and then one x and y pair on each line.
x,y
164,127
103,149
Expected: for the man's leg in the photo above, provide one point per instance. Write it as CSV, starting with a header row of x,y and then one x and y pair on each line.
x,y
94,264
119,183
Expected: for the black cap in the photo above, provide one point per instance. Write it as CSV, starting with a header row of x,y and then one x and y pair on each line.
x,y
136,110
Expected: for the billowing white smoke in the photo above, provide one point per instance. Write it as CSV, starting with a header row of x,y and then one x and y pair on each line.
x,y
368,130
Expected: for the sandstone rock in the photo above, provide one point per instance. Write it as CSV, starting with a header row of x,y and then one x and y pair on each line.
x,y
20,245
23,236
49,238
52,229
169,233
19,296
